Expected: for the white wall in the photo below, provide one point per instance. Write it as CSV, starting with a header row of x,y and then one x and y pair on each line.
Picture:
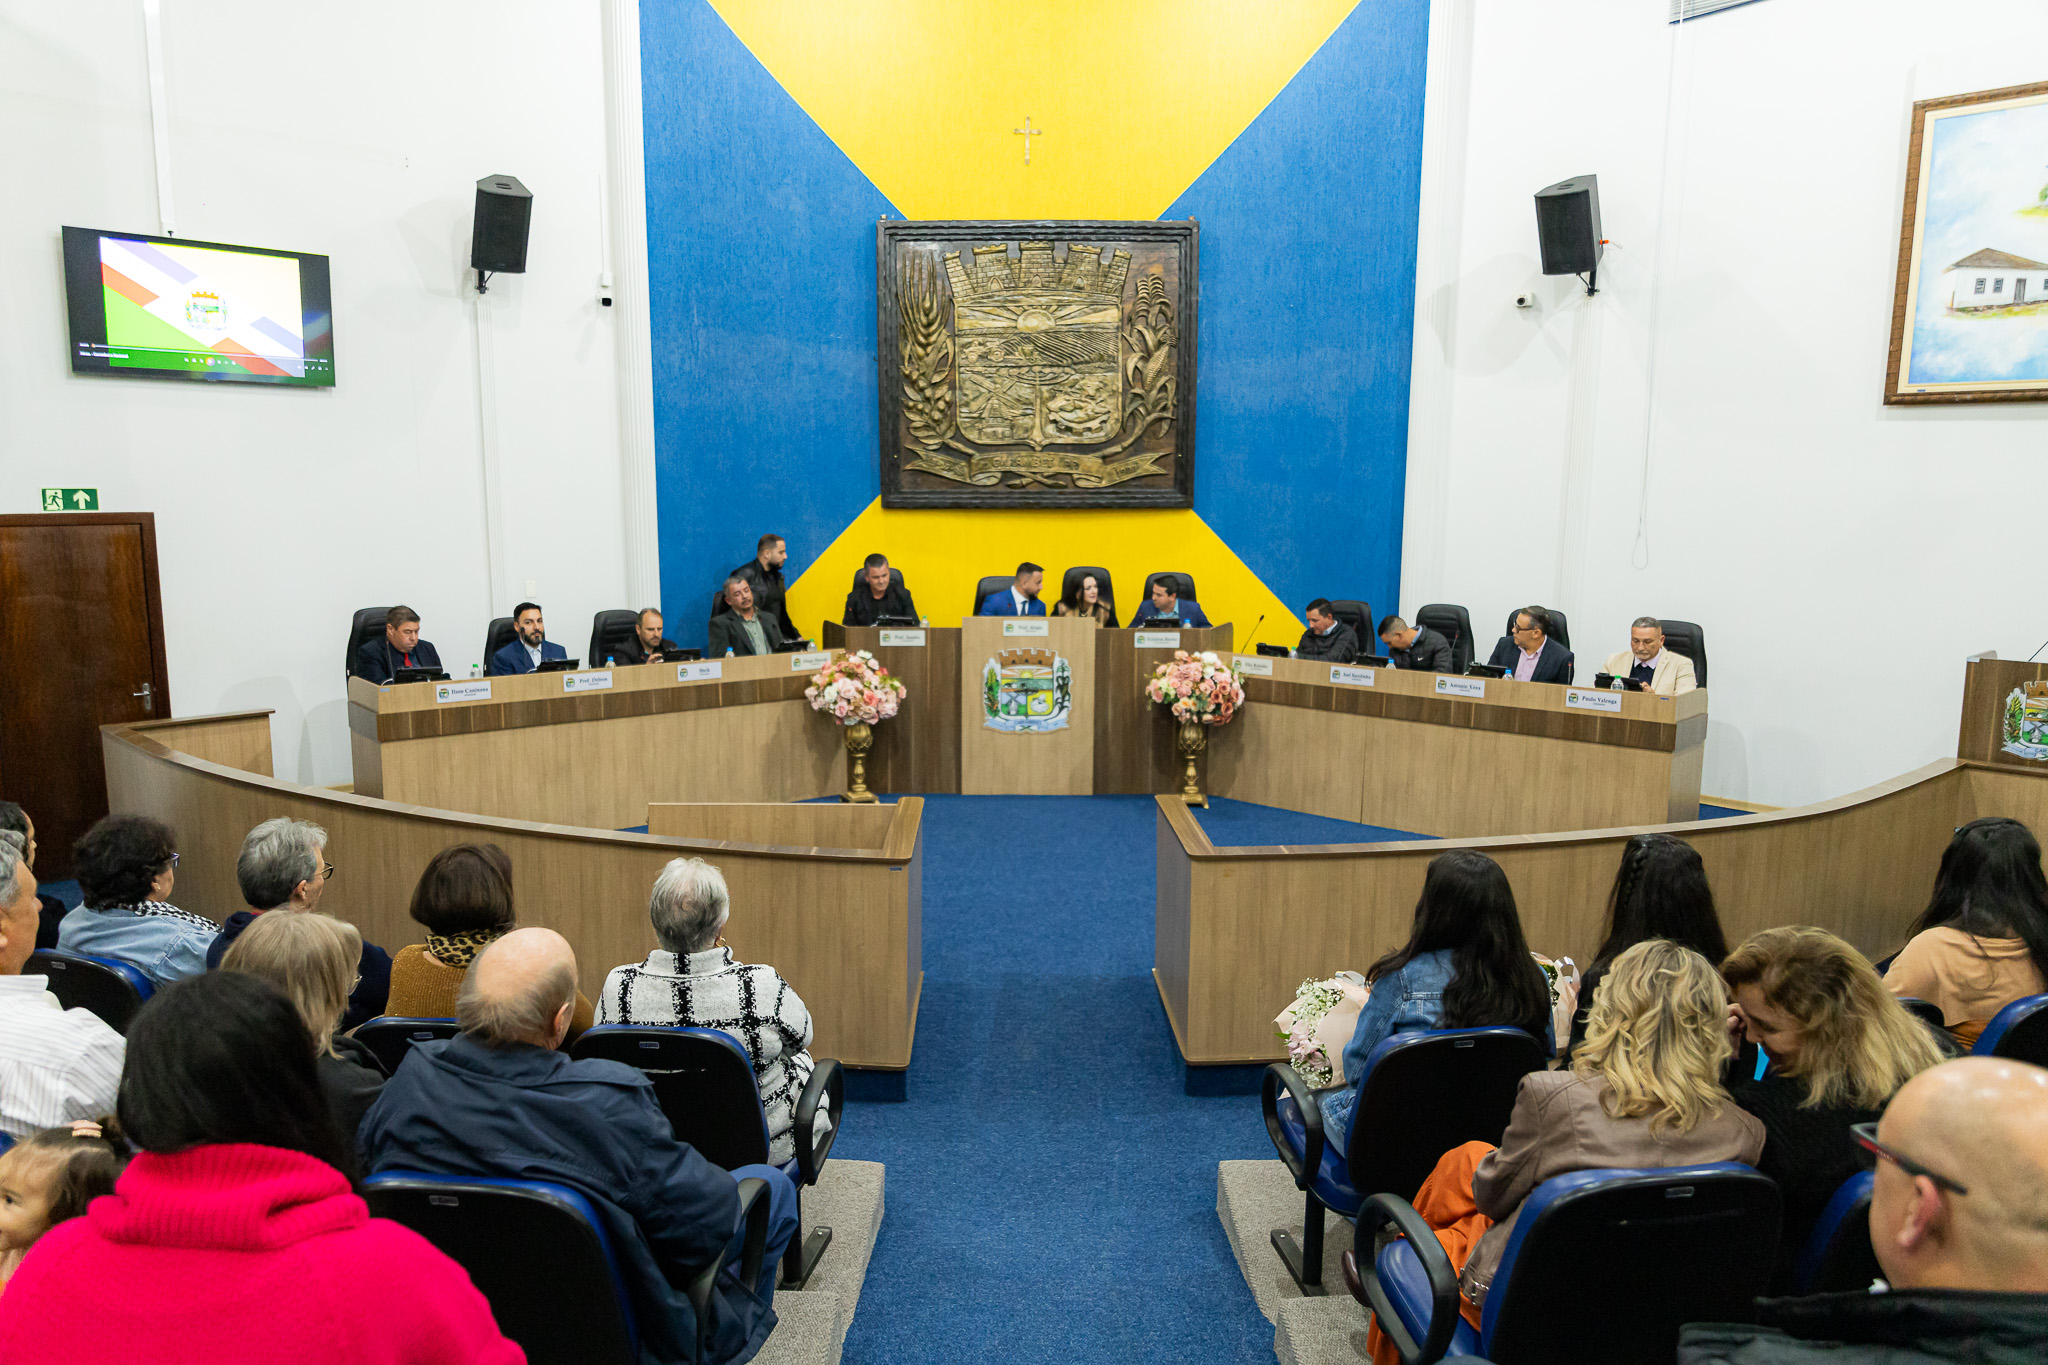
x,y
1843,557
358,132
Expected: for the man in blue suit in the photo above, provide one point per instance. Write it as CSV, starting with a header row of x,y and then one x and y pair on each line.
x,y
1020,598
1168,603
529,647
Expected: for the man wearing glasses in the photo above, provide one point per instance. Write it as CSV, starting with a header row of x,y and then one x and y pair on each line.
x,y
1529,654
283,867
1959,1221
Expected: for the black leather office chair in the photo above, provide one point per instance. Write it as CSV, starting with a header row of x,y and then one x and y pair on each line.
x,y
1452,622
608,631
1358,616
390,1036
1071,579
1689,639
497,637
990,583
1187,584
2019,1031
1560,630
860,579
367,626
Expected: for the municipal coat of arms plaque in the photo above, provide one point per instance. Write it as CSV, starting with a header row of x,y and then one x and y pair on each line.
x,y
1037,364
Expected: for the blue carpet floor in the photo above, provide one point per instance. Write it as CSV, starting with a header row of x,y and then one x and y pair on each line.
x,y
1051,1189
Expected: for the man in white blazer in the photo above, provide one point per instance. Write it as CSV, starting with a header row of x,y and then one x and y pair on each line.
x,y
1646,660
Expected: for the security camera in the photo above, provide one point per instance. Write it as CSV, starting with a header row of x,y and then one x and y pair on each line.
x,y
1526,299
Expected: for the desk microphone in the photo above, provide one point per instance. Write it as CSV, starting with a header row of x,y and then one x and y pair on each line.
x,y
1255,630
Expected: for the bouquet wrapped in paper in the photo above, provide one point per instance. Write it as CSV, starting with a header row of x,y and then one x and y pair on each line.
x,y
1318,1025
855,690
1198,688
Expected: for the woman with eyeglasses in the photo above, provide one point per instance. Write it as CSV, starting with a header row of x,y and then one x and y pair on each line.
x,y
1982,941
1839,1046
126,867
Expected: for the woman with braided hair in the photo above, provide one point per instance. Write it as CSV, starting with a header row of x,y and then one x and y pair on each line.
x,y
1660,891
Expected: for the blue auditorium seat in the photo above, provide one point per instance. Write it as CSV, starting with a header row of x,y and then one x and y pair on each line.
x,y
2019,1031
1838,1257
1424,1093
390,1036
1603,1267
109,987
704,1082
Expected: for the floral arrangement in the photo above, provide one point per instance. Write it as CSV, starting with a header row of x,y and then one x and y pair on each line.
x,y
855,690
1307,1053
1197,687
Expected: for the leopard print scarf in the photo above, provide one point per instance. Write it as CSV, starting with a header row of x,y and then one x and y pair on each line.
x,y
459,950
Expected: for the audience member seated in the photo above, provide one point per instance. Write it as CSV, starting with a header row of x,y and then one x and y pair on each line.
x,y
464,901
878,595
233,1236
1020,598
647,645
530,646
1982,941
49,1177
127,865
692,981
312,959
283,866
51,911
499,1100
56,1065
1660,891
1415,647
1086,599
1647,661
1959,1221
1839,1047
1529,654
1326,638
401,647
1167,603
745,629
1643,1090
1465,965
763,575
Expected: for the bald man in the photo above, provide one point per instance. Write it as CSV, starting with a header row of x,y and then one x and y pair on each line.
x,y
498,1100
1959,1221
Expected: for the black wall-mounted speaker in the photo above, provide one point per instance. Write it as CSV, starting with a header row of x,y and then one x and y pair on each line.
x,y
504,211
1568,225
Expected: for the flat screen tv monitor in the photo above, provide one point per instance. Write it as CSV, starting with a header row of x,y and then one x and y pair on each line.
x,y
168,308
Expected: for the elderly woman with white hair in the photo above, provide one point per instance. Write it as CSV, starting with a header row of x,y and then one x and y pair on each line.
x,y
692,981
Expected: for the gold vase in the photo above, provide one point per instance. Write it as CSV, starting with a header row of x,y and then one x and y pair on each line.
x,y
860,737
1194,738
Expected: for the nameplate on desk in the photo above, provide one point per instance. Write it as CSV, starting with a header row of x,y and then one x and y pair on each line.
x,y
1155,639
700,672
1461,687
1351,677
1013,629
799,662
597,681
1592,701
478,689
903,639
1253,668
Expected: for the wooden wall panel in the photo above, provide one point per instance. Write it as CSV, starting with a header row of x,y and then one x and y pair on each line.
x,y
836,825
917,749
1134,737
1048,763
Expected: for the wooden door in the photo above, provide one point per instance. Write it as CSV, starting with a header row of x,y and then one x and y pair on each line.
x,y
81,646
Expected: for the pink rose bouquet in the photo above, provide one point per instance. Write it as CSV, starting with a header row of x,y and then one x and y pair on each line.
x,y
854,689
1197,687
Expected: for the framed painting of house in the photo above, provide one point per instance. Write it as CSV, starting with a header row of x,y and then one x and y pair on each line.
x,y
1970,315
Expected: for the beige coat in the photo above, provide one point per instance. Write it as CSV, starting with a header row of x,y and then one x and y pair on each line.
x,y
1559,1127
1672,675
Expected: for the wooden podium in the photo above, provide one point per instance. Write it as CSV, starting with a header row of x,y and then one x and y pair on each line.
x,y
1037,673
918,749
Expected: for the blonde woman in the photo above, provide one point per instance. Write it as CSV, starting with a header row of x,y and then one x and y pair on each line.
x,y
1840,1045
312,959
1644,1089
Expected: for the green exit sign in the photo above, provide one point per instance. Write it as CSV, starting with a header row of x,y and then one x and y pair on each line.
x,y
71,499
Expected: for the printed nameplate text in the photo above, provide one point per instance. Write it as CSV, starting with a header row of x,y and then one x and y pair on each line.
x,y
1351,677
596,681
799,662
702,671
903,639
1254,668
1155,639
1460,687
478,689
1013,629
1592,701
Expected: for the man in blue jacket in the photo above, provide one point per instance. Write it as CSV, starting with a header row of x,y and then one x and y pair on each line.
x,y
530,646
1167,602
498,1100
1020,598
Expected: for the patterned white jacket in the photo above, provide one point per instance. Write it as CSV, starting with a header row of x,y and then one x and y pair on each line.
x,y
747,1000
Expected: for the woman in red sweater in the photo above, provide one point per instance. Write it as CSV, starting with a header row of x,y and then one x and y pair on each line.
x,y
233,1236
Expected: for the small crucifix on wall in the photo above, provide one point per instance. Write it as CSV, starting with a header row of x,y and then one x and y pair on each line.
x,y
1028,133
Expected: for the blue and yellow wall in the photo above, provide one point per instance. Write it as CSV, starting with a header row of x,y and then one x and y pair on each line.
x,y
778,132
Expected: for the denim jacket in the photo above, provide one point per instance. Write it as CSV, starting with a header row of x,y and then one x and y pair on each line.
x,y
163,942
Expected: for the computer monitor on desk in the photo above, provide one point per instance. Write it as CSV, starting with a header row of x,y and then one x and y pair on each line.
x,y
894,622
557,665
1485,671
413,675
1619,683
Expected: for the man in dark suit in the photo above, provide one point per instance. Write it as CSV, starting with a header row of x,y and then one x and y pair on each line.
x,y
764,577
401,647
1326,638
1166,602
745,628
530,646
1020,598
878,595
1416,647
1529,654
647,645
